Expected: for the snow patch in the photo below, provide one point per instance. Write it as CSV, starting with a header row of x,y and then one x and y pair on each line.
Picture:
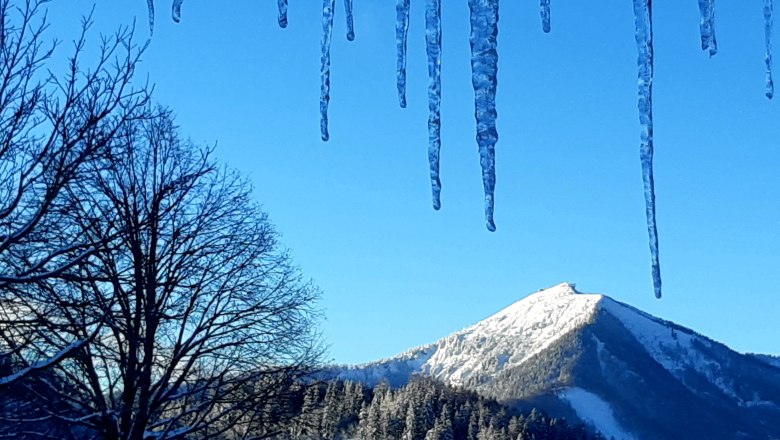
x,y
594,410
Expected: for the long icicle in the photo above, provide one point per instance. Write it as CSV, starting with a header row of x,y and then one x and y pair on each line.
x,y
433,48
545,11
176,10
707,26
150,8
327,32
770,86
401,30
350,20
484,78
643,16
282,5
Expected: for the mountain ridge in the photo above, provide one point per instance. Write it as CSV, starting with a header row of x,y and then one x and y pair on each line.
x,y
580,351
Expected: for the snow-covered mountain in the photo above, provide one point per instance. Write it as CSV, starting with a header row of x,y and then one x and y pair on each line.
x,y
589,357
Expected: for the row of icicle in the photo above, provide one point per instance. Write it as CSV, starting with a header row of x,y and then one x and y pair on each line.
x,y
484,68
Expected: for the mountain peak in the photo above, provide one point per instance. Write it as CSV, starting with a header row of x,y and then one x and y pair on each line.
x,y
604,362
504,340
565,288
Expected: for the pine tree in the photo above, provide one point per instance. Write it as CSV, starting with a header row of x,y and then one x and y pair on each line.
x,y
513,427
446,432
391,416
427,412
411,426
309,419
488,433
404,414
370,427
330,413
474,427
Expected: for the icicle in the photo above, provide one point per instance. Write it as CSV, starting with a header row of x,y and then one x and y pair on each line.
x,y
176,10
282,4
350,20
484,78
545,6
327,31
643,15
150,7
707,26
770,86
401,30
433,48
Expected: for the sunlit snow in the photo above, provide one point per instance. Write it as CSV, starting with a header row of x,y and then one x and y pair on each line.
x,y
504,340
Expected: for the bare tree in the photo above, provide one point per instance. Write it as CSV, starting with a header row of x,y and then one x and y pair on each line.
x,y
197,320
51,127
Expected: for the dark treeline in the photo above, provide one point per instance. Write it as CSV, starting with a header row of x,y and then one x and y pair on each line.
x,y
422,410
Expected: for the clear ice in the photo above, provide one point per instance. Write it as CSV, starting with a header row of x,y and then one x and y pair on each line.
x,y
282,13
350,20
484,78
707,26
643,16
327,31
770,86
401,30
545,10
150,7
433,48
176,10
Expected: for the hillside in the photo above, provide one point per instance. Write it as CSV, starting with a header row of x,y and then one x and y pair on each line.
x,y
591,358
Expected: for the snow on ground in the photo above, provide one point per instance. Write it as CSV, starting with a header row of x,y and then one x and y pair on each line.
x,y
595,411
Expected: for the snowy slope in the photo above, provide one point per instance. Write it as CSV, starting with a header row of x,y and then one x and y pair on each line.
x,y
674,347
681,351
595,412
504,340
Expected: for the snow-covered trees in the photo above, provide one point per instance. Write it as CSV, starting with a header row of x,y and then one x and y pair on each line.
x,y
423,410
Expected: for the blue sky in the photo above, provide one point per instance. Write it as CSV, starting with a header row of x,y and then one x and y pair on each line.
x,y
356,211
